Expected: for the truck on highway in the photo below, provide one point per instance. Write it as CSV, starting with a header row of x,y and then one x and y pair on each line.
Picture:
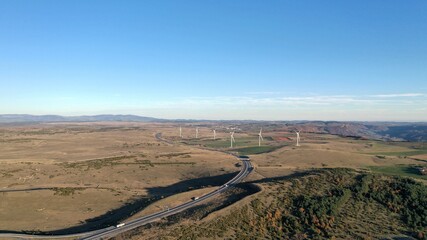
x,y
195,198
120,225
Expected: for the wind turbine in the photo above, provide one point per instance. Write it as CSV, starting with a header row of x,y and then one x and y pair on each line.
x,y
180,131
297,138
232,139
197,132
214,133
260,137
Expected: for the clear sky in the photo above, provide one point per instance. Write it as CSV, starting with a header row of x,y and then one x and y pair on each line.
x,y
216,59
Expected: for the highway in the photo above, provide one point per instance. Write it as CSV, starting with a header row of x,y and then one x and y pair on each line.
x,y
246,169
112,231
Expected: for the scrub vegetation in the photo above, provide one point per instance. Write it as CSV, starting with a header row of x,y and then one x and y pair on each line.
x,y
324,204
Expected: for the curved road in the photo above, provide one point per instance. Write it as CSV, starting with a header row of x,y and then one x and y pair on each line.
x,y
112,231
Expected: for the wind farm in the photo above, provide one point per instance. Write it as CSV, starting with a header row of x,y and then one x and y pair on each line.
x,y
236,120
86,169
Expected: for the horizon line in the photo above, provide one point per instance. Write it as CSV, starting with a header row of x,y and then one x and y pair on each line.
x,y
195,119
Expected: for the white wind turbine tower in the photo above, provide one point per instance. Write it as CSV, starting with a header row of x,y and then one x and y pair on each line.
x,y
297,138
260,137
180,131
232,139
214,133
197,132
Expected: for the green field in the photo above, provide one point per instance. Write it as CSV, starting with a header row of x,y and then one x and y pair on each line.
x,y
225,143
399,149
399,170
256,150
245,145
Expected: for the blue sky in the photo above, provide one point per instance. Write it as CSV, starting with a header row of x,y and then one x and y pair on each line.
x,y
222,59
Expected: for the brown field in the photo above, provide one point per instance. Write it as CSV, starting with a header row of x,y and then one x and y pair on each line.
x,y
422,157
107,166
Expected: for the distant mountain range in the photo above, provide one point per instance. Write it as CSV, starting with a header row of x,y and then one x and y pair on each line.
x,y
26,118
390,131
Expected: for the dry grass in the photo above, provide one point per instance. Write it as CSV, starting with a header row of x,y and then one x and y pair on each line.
x,y
422,157
115,163
44,211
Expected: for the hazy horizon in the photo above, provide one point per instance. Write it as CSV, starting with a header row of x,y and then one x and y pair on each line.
x,y
218,119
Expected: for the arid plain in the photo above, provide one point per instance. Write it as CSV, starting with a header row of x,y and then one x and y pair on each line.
x,y
58,176
79,176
